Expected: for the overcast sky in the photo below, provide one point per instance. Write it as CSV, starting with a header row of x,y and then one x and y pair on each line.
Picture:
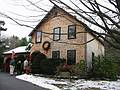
x,y
14,6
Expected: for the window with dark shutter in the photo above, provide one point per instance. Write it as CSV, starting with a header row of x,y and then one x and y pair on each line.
x,y
71,32
55,54
56,33
38,37
71,57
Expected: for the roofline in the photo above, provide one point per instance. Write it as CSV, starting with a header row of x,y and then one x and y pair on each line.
x,y
69,15
41,22
48,14
97,39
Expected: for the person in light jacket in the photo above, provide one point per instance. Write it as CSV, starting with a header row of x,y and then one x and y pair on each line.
x,y
26,66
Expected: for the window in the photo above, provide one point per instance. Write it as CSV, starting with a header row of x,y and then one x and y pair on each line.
x,y
55,54
56,33
71,32
38,37
71,57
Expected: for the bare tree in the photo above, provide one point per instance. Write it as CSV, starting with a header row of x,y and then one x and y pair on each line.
x,y
106,18
2,23
103,15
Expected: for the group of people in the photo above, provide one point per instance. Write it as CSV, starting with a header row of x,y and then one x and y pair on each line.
x,y
18,65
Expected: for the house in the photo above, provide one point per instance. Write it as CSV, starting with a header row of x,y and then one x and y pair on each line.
x,y
7,55
62,35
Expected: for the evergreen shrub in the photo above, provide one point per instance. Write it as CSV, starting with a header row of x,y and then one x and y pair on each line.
x,y
104,68
36,57
49,66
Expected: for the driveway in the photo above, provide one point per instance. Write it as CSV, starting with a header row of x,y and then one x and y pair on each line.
x,y
8,82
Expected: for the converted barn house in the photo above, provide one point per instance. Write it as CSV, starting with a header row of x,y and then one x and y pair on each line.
x,y
62,35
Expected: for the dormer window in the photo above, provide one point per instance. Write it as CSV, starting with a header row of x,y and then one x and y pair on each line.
x,y
56,33
71,32
38,37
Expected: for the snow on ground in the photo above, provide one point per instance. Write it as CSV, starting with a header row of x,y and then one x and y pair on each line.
x,y
69,84
41,81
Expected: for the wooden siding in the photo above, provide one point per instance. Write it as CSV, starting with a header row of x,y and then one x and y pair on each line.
x,y
61,20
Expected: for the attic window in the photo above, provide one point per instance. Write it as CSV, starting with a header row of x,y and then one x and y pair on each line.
x,y
38,37
56,13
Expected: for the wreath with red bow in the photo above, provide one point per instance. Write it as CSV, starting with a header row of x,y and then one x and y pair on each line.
x,y
46,45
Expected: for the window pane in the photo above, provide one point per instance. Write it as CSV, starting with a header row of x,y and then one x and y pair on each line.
x,y
38,37
56,35
71,57
55,54
71,32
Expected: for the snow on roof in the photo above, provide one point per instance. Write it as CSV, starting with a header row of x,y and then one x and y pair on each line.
x,y
17,50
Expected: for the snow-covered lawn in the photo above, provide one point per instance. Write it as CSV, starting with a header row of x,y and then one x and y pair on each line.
x,y
64,84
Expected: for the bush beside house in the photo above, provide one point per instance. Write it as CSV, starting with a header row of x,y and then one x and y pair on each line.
x,y
104,68
36,58
74,70
49,66
43,65
78,69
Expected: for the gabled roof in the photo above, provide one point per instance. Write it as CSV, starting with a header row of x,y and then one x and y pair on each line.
x,y
17,50
57,7
47,15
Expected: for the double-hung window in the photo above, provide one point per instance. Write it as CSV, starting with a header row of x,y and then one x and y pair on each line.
x,y
56,33
38,37
55,54
71,57
71,32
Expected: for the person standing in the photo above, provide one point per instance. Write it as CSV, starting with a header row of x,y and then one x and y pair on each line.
x,y
12,63
19,67
26,66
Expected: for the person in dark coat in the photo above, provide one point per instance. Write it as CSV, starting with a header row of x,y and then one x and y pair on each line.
x,y
12,63
19,67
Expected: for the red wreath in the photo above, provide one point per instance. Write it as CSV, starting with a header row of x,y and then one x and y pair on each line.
x,y
46,45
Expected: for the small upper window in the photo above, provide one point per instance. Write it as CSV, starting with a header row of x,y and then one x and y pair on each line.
x,y
38,37
71,32
56,33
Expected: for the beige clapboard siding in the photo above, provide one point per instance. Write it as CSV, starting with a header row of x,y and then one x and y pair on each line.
x,y
63,22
